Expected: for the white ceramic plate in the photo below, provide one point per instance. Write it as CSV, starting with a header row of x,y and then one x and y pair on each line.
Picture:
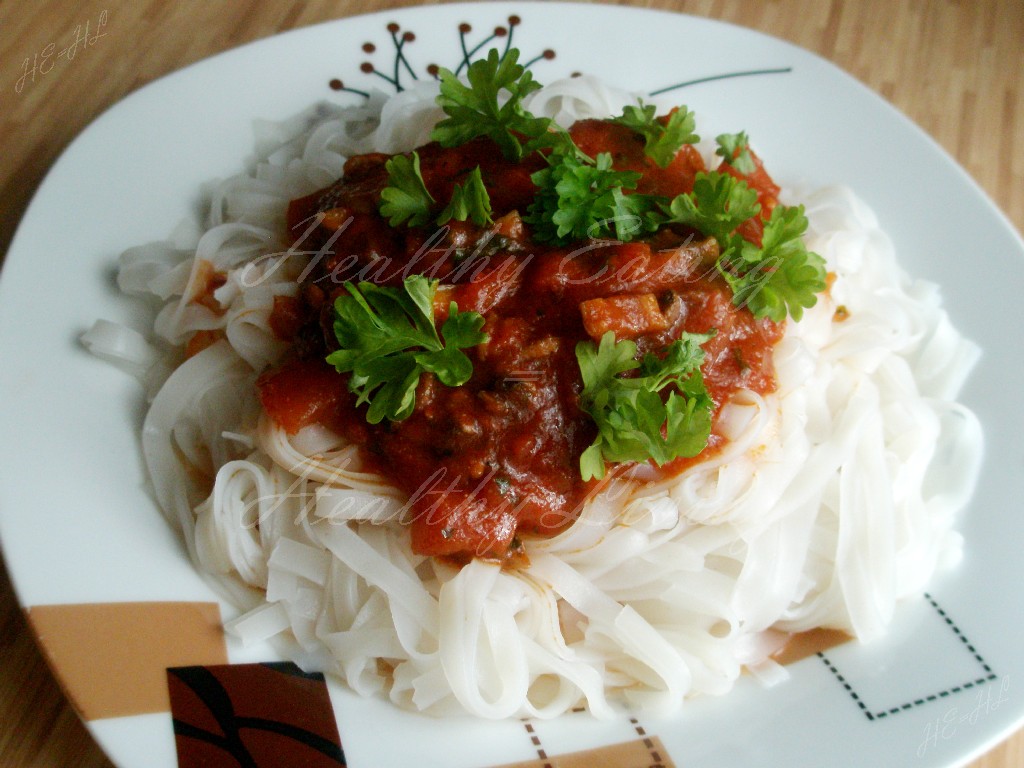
x,y
78,527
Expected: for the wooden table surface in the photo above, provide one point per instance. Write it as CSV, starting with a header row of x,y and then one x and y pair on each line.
x,y
955,68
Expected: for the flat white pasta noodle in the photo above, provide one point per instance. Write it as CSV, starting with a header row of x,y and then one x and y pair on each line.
x,y
864,556
834,498
407,118
213,381
773,562
340,465
156,270
121,345
481,652
383,574
578,98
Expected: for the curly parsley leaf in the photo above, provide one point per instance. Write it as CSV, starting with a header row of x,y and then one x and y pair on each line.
x,y
734,148
476,109
387,338
662,139
405,199
779,278
634,421
634,215
469,201
577,199
718,204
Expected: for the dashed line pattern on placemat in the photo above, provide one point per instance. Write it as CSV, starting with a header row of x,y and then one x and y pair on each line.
x,y
645,752
535,739
655,754
963,639
989,675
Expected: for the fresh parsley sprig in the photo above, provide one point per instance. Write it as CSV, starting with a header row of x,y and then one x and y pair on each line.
x,y
718,204
734,148
779,278
662,139
470,201
577,199
478,109
406,199
634,421
387,339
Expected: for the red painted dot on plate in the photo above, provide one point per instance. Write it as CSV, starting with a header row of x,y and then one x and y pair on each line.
x,y
433,69
500,31
336,85
549,54
408,37
369,47
514,21
366,67
464,28
393,27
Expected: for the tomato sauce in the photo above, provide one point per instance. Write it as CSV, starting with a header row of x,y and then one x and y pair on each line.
x,y
497,459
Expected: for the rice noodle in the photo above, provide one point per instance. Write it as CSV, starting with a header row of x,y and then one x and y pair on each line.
x,y
835,498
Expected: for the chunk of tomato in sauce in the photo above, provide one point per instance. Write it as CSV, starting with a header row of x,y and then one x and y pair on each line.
x,y
301,393
627,316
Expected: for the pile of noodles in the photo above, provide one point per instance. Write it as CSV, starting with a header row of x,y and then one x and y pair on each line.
x,y
834,499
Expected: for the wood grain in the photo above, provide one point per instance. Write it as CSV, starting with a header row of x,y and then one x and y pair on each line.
x,y
955,68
